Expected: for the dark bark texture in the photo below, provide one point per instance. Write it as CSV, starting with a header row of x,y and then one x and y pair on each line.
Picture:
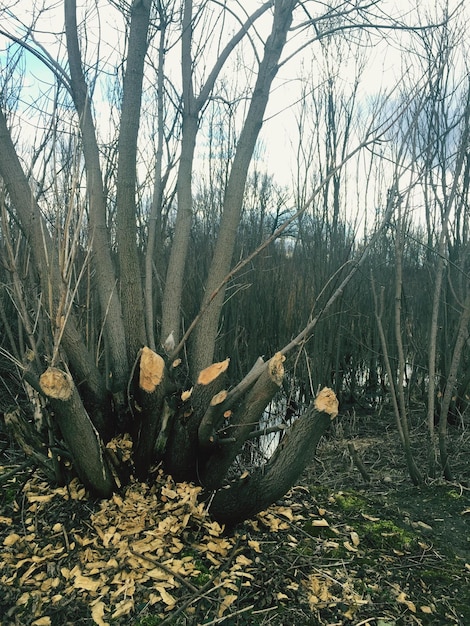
x,y
252,493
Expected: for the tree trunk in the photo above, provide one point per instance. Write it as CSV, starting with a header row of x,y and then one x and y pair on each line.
x,y
82,438
105,276
153,386
46,264
183,454
254,492
126,210
415,474
462,336
155,231
191,109
179,250
206,331
245,419
441,265
413,470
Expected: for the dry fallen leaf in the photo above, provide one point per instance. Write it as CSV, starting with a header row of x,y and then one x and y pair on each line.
x,y
349,547
123,608
243,560
355,538
402,599
167,598
86,583
42,498
320,523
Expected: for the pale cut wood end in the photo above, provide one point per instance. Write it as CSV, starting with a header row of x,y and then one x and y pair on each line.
x,y
219,398
56,384
212,372
327,402
276,368
152,367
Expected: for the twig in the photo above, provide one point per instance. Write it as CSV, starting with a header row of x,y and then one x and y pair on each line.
x,y
219,620
358,462
7,475
166,569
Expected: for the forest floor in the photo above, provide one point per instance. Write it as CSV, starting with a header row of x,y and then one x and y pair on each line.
x,y
338,549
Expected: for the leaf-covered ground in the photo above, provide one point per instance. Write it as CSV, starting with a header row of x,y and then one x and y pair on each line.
x,y
336,550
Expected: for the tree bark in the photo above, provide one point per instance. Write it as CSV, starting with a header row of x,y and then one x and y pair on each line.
x,y
245,419
102,264
155,231
206,331
182,456
82,438
126,210
252,493
150,400
179,249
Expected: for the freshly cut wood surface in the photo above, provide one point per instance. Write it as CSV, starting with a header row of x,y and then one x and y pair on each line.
x,y
152,367
212,372
327,402
56,384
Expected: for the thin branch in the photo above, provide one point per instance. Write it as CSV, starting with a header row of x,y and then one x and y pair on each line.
x,y
277,234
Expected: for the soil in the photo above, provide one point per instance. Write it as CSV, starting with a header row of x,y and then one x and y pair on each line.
x,y
338,549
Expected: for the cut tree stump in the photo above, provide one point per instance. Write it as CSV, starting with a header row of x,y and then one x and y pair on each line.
x,y
252,493
150,399
80,435
182,455
151,371
209,383
246,419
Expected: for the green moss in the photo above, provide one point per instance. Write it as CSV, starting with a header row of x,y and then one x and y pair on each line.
x,y
201,579
350,502
386,534
9,494
204,573
319,493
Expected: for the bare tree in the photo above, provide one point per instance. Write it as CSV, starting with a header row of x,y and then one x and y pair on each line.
x,y
443,140
168,393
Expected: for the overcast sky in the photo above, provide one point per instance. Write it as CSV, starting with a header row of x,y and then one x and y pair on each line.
x,y
384,62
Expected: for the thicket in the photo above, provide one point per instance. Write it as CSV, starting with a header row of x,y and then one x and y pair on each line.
x,y
139,253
